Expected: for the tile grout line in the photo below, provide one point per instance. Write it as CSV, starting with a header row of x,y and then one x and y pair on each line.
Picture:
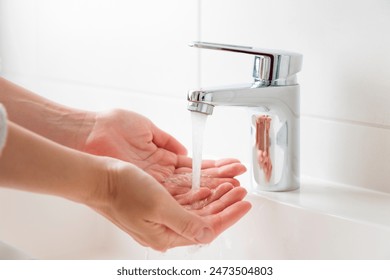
x,y
346,121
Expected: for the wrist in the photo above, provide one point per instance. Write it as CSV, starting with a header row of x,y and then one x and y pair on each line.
x,y
68,127
73,128
106,175
62,124
119,185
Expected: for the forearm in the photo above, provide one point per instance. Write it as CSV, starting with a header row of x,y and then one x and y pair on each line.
x,y
59,123
32,163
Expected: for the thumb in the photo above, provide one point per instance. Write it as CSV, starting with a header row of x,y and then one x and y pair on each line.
x,y
166,141
188,225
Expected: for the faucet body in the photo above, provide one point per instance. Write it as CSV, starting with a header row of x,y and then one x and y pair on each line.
x,y
274,107
275,155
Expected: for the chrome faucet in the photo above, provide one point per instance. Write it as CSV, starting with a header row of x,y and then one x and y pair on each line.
x,y
273,103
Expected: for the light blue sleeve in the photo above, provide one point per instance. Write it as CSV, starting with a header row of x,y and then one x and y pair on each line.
x,y
3,127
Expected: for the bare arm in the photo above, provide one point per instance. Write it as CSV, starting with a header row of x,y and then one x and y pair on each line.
x,y
54,121
33,163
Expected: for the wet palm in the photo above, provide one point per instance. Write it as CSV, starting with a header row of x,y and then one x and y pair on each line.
x,y
133,138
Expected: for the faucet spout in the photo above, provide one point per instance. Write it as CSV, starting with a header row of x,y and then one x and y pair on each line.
x,y
196,102
204,100
247,95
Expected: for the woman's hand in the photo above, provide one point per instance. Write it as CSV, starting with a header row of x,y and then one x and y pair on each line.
x,y
140,206
133,138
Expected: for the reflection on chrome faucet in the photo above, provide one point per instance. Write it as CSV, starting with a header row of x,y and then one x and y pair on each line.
x,y
273,103
263,124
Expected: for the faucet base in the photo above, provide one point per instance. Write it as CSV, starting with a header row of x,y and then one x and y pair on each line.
x,y
275,147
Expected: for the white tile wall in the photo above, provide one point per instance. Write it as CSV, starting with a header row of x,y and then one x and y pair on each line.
x,y
101,53
137,45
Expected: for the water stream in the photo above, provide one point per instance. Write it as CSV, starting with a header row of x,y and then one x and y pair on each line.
x,y
198,127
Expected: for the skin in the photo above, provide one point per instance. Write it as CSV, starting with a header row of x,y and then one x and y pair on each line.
x,y
156,152
122,166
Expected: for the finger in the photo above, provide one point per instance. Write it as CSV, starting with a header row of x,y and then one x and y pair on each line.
x,y
209,163
206,163
230,170
218,223
185,224
220,191
213,196
213,183
223,202
183,170
226,161
168,142
191,197
229,216
185,228
185,161
185,180
225,171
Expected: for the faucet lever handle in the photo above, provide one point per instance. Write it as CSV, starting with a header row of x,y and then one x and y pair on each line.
x,y
271,67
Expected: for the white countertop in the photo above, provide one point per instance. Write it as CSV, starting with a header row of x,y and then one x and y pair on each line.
x,y
345,202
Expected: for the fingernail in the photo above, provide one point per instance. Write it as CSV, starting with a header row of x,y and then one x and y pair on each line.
x,y
205,236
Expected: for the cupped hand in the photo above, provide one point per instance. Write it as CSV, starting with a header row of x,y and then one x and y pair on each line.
x,y
133,138
139,205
